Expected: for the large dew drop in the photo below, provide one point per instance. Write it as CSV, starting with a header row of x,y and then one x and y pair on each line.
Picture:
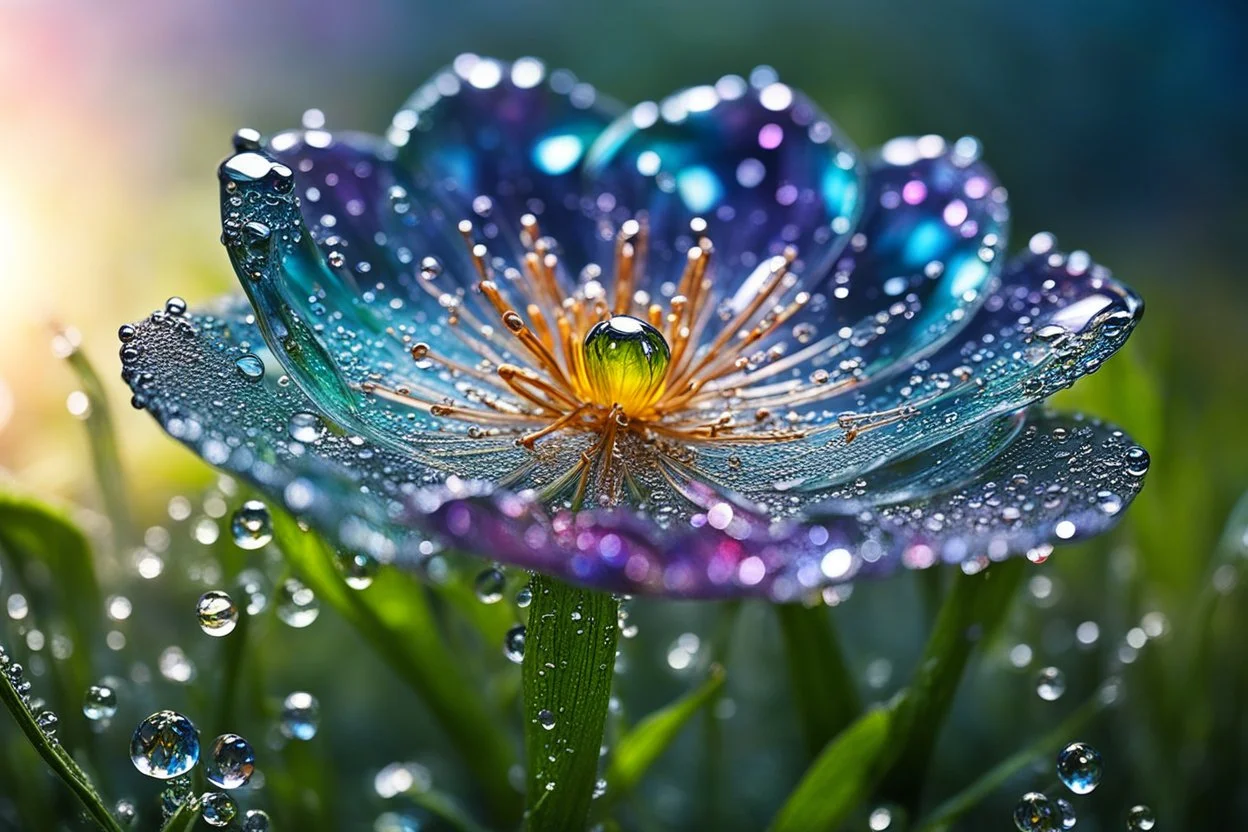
x,y
1035,813
217,613
251,525
231,762
165,745
1079,766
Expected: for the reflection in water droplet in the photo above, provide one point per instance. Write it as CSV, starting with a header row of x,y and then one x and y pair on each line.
x,y
165,745
1051,684
1141,819
524,596
1079,767
1069,819
100,703
231,762
301,715
489,586
1035,813
126,813
217,613
306,427
257,820
218,809
513,644
358,569
546,719
251,525
250,366
296,604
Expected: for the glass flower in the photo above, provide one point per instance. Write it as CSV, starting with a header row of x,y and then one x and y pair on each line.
x,y
703,347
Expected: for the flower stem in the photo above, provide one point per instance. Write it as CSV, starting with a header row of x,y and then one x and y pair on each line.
x,y
569,660
825,696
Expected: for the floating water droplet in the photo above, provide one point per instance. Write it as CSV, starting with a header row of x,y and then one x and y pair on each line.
x,y
218,809
358,569
217,613
402,778
257,820
231,762
296,604
126,813
100,703
1141,819
1035,813
513,644
250,366
165,745
306,427
251,525
1051,684
880,819
489,586
524,596
175,666
1069,819
546,719
301,714
1079,767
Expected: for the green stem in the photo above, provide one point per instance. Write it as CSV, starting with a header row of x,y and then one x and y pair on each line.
x,y
569,661
185,818
823,687
947,813
234,651
58,759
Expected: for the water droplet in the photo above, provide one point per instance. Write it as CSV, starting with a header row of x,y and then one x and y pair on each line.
x,y
296,604
1035,813
175,306
251,525
600,788
1137,461
217,613
100,703
218,809
231,762
301,714
250,366
489,586
165,745
1051,684
1069,819
172,798
513,644
546,719
1141,819
257,820
1079,767
358,569
306,427
48,722
126,813
524,596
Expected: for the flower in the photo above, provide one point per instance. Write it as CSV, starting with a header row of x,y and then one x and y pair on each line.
x,y
702,348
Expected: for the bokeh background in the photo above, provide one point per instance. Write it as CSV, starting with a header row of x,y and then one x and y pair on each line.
x,y
1118,125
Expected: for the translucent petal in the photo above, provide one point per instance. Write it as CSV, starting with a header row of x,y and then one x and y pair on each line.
x,y
757,160
1053,319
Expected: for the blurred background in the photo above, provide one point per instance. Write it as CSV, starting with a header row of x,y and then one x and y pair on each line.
x,y
1118,125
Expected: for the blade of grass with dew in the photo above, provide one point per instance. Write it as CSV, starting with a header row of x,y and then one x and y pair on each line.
x,y
943,817
840,778
185,818
823,688
58,759
638,749
974,608
53,560
569,661
102,439
393,616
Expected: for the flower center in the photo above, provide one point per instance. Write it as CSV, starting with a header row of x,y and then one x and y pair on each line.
x,y
626,361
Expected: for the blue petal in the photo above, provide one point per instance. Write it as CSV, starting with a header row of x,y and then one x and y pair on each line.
x,y
757,160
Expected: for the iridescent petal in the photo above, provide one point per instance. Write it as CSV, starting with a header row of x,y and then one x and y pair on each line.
x,y
1053,319
757,160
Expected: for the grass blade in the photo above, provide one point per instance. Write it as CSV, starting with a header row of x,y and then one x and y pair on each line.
x,y
823,687
394,617
637,750
185,818
840,778
569,660
58,759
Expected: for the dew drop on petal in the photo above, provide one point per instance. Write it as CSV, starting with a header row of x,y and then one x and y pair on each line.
x,y
217,613
489,586
297,605
250,366
231,762
1079,767
301,715
1051,684
1141,819
100,703
165,745
1035,813
251,525
513,644
218,809
306,427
